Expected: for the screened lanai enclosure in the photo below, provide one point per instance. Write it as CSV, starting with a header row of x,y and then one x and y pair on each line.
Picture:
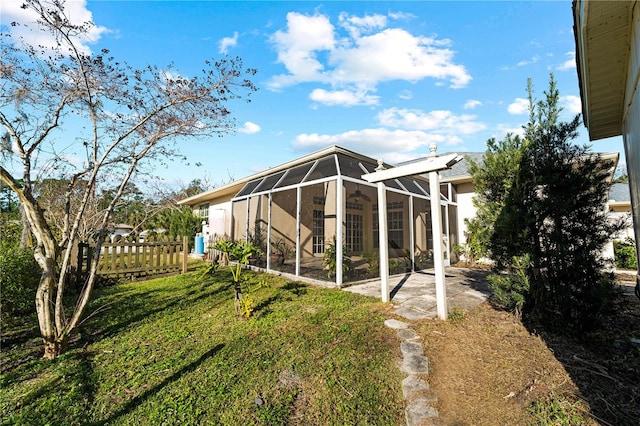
x,y
319,220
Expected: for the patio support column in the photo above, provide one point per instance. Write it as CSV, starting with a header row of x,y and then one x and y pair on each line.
x,y
339,220
298,209
438,256
412,234
246,225
431,165
269,232
383,238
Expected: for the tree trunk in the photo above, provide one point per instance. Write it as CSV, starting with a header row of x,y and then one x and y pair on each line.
x,y
50,320
56,347
25,236
45,303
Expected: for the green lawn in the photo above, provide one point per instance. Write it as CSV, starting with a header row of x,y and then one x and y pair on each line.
x,y
171,351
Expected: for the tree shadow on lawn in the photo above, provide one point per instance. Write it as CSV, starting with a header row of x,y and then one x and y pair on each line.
x,y
294,287
69,382
17,335
129,406
135,309
605,364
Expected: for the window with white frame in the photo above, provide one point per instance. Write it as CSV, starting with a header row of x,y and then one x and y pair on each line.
x,y
395,225
318,231
354,238
202,212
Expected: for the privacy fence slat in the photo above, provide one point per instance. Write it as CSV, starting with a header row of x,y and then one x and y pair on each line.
x,y
126,259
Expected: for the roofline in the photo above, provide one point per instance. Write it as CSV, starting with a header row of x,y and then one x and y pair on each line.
x,y
457,179
233,186
614,156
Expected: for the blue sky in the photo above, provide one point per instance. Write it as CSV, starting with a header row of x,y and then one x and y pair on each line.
x,y
382,78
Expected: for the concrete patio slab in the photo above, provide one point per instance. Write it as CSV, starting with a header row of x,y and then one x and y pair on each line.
x,y
414,294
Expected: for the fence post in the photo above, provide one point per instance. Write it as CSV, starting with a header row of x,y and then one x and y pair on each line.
x,y
185,254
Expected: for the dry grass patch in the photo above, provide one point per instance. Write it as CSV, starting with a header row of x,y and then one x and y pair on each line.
x,y
487,368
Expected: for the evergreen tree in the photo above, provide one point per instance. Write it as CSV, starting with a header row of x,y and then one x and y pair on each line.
x,y
494,179
550,208
567,224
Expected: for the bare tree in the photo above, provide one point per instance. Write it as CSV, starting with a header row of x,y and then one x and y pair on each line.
x,y
130,117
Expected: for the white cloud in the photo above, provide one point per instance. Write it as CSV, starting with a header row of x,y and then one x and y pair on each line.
x,y
343,97
406,94
404,134
357,25
378,142
297,48
249,128
401,16
519,106
312,51
76,11
570,63
571,104
471,104
227,42
503,129
533,60
395,54
444,122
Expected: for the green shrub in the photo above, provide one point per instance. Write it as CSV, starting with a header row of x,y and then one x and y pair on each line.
x,y
19,278
510,289
330,262
625,254
373,262
559,410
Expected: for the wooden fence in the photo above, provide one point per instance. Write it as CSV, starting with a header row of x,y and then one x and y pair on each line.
x,y
126,259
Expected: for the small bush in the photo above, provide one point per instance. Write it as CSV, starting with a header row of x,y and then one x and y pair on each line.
x,y
457,315
559,410
330,262
373,262
510,289
19,278
625,254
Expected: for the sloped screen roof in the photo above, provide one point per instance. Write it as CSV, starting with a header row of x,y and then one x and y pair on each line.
x,y
323,168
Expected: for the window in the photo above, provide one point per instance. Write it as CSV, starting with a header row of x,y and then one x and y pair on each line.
x,y
395,225
395,229
318,232
202,212
354,234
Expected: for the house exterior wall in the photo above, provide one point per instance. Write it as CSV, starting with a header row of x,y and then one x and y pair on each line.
x,y
631,121
466,209
222,215
219,220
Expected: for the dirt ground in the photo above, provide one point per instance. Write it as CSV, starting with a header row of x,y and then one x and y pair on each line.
x,y
487,368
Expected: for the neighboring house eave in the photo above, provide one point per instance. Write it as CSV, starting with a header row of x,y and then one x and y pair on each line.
x,y
467,178
227,190
457,179
602,31
619,204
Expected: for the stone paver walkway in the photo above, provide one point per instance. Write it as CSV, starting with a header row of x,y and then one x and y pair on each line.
x,y
414,298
